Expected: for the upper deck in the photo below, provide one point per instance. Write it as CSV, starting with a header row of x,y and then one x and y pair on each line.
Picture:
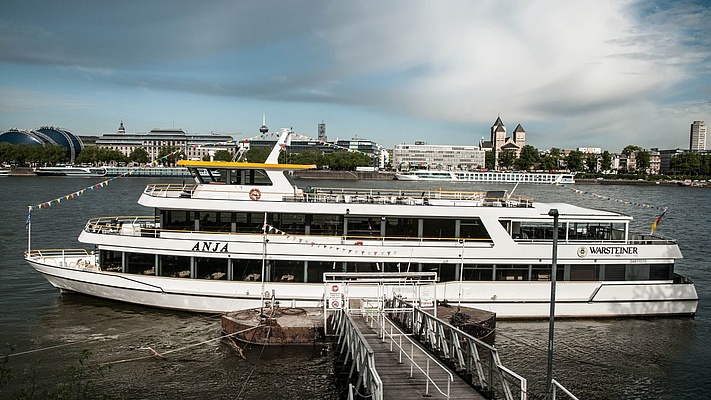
x,y
339,195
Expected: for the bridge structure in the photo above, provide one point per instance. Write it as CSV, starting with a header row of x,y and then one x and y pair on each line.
x,y
390,344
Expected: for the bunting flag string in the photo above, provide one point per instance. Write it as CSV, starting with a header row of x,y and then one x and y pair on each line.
x,y
95,186
616,200
271,229
662,209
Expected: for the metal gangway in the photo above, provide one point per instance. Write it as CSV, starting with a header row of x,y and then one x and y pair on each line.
x,y
391,345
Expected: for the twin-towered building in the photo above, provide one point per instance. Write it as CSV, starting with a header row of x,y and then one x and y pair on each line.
x,y
500,142
423,155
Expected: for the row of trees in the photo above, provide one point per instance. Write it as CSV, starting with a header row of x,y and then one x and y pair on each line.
x,y
24,154
687,164
691,164
575,161
530,158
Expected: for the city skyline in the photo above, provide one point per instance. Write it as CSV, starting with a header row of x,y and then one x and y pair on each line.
x,y
634,72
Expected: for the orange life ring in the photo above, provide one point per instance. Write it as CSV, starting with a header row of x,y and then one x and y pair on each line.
x,y
255,194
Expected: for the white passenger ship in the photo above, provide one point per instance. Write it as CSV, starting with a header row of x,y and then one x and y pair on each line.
x,y
486,177
70,170
206,247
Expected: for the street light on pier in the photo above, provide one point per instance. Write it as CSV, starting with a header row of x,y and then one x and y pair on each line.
x,y
551,324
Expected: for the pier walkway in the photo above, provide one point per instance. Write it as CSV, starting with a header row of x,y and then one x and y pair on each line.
x,y
399,379
390,348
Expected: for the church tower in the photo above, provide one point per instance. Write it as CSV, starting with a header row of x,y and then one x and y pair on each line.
x,y
519,137
498,138
121,129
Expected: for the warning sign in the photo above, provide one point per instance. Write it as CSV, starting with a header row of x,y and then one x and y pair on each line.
x,y
335,296
426,299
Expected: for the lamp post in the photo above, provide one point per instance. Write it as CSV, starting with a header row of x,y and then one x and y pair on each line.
x,y
551,324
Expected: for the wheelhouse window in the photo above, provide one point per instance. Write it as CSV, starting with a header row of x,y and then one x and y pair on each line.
x,y
363,226
401,227
595,231
215,221
323,224
438,228
249,222
532,230
289,223
178,220
473,229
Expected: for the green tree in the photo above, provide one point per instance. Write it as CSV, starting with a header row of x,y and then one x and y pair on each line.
x,y
489,159
257,154
346,160
88,155
139,155
528,158
311,156
629,149
223,155
606,161
507,159
168,155
551,160
643,161
574,160
591,162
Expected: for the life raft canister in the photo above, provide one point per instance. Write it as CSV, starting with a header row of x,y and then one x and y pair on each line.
x,y
255,194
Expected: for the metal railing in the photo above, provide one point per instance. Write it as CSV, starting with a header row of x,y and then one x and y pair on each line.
x,y
351,340
359,196
65,258
393,333
556,387
462,351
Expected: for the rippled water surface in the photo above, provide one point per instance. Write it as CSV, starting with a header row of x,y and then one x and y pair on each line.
x,y
666,358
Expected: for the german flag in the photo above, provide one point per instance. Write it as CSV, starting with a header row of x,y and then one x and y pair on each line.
x,y
658,220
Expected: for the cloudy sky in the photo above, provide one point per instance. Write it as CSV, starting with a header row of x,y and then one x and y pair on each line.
x,y
572,73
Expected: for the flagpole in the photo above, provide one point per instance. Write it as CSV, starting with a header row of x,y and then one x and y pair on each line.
x,y
29,229
264,260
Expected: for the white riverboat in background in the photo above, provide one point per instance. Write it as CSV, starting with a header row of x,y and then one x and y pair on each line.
x,y
485,177
4,172
70,170
219,243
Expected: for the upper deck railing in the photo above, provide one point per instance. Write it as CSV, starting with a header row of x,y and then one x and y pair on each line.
x,y
358,196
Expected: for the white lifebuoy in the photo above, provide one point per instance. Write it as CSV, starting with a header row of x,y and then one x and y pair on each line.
x,y
255,194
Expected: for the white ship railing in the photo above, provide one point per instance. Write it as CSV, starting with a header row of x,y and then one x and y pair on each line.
x,y
358,196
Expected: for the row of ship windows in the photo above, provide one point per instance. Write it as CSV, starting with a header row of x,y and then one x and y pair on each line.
x,y
389,227
312,271
327,224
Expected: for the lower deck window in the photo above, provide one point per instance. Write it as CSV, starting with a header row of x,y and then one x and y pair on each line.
x,y
312,271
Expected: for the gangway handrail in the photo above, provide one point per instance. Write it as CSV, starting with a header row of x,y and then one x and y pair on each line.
x,y
461,349
413,344
557,386
361,353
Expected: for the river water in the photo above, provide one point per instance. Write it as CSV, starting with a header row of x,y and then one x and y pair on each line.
x,y
46,334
